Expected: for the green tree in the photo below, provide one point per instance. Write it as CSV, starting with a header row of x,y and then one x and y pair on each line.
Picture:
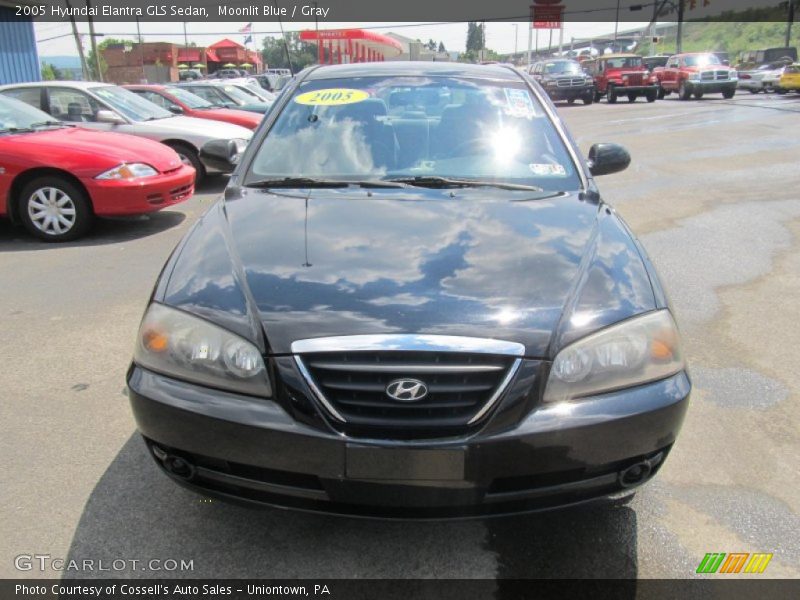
x,y
91,59
431,45
50,72
302,53
476,37
441,47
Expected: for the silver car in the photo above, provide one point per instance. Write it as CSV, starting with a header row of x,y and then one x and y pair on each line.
x,y
108,107
761,79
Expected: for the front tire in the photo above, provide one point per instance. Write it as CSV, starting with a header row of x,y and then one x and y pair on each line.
x,y
683,92
54,209
698,95
728,94
651,96
189,157
570,100
612,95
661,93
588,99
632,97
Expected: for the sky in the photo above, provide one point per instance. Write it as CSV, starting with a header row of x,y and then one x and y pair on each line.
x,y
499,36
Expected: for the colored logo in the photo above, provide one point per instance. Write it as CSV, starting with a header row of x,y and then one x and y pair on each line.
x,y
735,562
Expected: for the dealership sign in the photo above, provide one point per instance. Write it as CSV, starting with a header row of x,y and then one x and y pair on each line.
x,y
547,14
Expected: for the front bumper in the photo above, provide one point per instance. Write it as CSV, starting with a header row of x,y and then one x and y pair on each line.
x,y
569,93
711,87
130,197
253,450
623,89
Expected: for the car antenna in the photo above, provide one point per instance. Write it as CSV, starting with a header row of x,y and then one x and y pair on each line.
x,y
283,37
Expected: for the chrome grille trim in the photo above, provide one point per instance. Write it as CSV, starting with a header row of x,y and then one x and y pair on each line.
x,y
405,368
317,392
403,341
498,392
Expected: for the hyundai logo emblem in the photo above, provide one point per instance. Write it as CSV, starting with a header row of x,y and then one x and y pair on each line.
x,y
406,390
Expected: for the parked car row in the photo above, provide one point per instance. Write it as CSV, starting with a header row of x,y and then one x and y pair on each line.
x,y
56,176
691,74
777,77
72,150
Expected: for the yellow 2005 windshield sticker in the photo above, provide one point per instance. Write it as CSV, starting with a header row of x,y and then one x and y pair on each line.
x,y
332,97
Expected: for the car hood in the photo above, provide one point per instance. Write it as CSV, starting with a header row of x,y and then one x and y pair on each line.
x,y
501,265
197,128
76,149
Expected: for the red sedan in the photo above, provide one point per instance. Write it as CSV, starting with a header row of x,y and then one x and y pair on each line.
x,y
54,178
184,102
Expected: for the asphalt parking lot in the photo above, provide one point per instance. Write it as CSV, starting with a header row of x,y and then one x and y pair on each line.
x,y
714,194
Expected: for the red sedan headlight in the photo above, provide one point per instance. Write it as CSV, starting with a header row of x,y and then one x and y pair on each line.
x,y
129,171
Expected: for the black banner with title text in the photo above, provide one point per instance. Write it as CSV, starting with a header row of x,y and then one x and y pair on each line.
x,y
338,11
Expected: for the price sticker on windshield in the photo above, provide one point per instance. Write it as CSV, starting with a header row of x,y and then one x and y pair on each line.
x,y
332,97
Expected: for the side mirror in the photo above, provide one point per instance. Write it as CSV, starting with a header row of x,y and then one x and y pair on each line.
x,y
221,155
175,109
608,158
109,116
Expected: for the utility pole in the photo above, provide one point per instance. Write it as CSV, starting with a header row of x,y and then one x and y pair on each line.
x,y
94,42
679,38
790,20
141,49
516,31
78,43
616,24
185,36
530,41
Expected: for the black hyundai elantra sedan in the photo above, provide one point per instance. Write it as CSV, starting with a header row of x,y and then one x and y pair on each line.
x,y
411,301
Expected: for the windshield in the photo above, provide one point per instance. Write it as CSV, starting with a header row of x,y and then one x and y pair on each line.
x,y
624,62
15,114
563,67
239,96
129,104
701,60
372,128
189,99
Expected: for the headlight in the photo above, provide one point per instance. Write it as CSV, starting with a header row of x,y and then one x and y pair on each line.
x,y
129,171
175,343
589,81
734,75
551,83
633,352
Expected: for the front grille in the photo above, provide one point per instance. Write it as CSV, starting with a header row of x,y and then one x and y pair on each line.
x,y
634,78
714,75
573,82
180,193
460,385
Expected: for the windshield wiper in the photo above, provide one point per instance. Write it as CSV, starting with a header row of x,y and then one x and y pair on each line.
x,y
307,182
17,130
435,181
51,124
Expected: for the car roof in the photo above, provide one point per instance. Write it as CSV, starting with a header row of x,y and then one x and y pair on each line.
x,y
156,87
619,55
411,69
79,85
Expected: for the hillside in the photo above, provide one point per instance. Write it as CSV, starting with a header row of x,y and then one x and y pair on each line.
x,y
731,37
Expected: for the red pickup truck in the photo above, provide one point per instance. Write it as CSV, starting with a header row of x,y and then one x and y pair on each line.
x,y
621,75
695,74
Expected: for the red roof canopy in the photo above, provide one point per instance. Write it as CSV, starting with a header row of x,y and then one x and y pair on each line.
x,y
339,38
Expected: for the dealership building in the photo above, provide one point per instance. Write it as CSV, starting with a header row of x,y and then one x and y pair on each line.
x,y
19,61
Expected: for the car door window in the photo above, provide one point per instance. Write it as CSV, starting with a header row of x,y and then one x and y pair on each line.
x,y
72,106
31,96
155,98
206,93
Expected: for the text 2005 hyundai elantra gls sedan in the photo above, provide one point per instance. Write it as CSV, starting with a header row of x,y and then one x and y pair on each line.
x,y
411,302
